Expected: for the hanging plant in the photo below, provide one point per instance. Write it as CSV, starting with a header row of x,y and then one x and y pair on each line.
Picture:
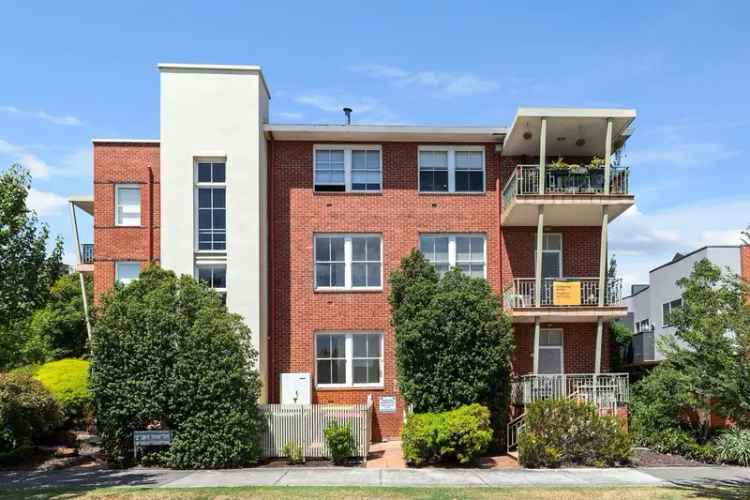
x,y
596,162
559,164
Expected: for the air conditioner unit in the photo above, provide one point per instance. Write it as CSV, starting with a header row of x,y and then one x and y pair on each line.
x,y
296,389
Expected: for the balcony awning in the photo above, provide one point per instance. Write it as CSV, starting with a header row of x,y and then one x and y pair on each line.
x,y
571,132
85,203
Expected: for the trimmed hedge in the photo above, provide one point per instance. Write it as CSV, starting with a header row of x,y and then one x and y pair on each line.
x,y
459,435
167,354
68,382
562,431
27,411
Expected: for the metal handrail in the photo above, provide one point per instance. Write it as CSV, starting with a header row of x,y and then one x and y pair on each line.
x,y
605,390
522,293
87,253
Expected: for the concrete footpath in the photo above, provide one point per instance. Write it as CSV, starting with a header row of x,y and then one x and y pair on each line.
x,y
334,476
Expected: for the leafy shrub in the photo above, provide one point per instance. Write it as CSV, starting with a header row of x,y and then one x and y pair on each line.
x,y
462,434
708,453
453,341
734,446
68,382
27,411
293,453
166,351
340,441
564,431
675,441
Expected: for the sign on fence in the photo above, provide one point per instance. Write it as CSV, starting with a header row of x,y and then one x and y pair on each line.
x,y
566,293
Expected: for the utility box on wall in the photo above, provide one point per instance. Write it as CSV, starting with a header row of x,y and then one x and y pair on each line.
x,y
296,389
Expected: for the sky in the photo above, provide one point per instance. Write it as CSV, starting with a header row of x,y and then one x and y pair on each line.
x,y
78,70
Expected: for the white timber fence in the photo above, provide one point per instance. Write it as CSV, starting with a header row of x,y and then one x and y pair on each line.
x,y
304,425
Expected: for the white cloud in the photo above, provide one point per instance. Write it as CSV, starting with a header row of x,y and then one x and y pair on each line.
x,y
443,83
365,109
683,154
77,163
289,115
643,240
38,168
45,203
43,115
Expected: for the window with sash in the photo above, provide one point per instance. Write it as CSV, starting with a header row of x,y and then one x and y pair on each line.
x,y
449,169
127,205
211,205
465,251
347,168
348,261
349,359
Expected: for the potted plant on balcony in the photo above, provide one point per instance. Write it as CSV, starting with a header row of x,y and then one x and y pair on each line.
x,y
596,173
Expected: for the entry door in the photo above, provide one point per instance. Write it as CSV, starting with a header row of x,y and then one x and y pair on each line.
x,y
550,352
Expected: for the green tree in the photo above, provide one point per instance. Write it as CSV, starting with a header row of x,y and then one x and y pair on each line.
x,y
453,341
59,328
167,352
711,344
27,270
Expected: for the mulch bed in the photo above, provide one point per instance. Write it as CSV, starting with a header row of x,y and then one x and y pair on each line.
x,y
649,458
310,462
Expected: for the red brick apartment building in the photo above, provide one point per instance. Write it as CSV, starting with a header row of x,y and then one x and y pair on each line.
x,y
299,227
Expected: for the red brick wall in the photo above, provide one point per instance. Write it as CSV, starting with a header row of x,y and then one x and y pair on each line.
x,y
579,347
400,214
118,163
580,251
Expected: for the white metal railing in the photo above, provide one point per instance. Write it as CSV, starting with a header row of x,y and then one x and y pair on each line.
x,y
522,292
576,180
87,253
606,390
514,428
304,425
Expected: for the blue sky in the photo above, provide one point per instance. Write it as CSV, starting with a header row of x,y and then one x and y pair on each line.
x,y
77,70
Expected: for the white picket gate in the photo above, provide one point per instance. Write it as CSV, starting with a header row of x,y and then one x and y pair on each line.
x,y
304,424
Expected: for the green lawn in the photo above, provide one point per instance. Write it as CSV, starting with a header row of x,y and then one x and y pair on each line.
x,y
528,493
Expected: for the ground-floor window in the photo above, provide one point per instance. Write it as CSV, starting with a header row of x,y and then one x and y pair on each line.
x,y
550,351
349,359
215,276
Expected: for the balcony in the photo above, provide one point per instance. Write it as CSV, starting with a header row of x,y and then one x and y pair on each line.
x,y
564,299
642,348
573,194
605,390
87,258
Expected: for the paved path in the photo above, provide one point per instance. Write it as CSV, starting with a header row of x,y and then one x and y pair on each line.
x,y
97,477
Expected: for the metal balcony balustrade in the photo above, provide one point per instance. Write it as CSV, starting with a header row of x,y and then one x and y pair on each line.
x,y
574,180
605,390
522,292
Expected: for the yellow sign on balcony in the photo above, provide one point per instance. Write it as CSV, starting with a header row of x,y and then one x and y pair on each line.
x,y
566,293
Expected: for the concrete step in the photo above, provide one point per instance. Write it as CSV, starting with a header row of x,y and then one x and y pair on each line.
x,y
513,454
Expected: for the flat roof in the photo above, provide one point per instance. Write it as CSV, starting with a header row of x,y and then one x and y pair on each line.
x,y
216,68
328,132
102,140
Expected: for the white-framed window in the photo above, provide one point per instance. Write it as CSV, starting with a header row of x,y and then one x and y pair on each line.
x,y
465,251
351,168
552,257
451,169
348,261
551,359
667,308
215,276
127,271
211,205
349,359
127,205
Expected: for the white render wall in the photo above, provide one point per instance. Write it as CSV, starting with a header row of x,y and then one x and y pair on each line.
x,y
663,286
214,111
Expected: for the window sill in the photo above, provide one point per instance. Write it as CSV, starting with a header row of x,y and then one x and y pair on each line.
x,y
344,193
141,226
443,193
348,290
328,388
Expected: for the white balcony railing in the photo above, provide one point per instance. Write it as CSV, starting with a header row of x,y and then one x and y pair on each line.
x,y
522,293
576,180
605,390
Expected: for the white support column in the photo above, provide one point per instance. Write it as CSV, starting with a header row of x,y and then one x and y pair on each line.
x,y
538,263
607,155
80,275
598,357
542,156
537,331
603,257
